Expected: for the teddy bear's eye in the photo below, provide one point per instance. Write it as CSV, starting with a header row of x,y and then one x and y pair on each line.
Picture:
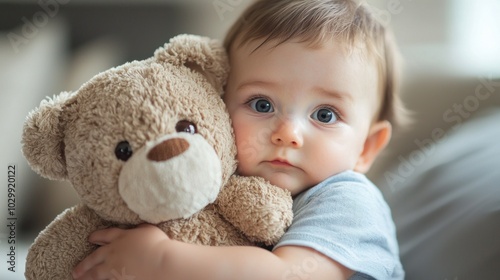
x,y
185,126
123,151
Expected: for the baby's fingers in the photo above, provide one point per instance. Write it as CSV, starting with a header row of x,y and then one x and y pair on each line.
x,y
99,272
105,236
88,268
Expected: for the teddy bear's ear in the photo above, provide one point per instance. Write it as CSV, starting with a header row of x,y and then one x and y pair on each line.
x,y
42,139
201,54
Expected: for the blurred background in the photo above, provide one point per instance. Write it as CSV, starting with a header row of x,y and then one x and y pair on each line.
x,y
451,50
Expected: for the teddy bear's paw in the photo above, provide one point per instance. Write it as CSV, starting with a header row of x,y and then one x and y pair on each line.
x,y
259,209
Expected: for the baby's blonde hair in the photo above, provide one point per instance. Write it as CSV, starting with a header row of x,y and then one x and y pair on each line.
x,y
318,21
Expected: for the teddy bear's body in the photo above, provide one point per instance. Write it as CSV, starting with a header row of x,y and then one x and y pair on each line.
x,y
149,141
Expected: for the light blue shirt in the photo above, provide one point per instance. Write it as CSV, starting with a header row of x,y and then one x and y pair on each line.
x,y
347,219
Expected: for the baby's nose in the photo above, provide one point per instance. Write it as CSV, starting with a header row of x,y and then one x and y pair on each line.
x,y
287,133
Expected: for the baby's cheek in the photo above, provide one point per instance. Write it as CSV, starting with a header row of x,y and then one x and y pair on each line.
x,y
245,170
248,149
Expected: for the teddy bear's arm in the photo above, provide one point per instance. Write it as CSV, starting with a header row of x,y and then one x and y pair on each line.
x,y
64,243
259,209
206,227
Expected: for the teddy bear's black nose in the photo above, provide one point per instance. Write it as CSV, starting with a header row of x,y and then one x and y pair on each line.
x,y
168,149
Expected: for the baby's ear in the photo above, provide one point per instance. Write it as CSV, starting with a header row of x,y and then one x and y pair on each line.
x,y
378,137
204,55
42,139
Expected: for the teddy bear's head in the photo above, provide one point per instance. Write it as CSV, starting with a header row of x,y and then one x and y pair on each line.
x,y
147,141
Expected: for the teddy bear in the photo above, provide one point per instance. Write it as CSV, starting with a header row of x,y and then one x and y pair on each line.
x,y
149,141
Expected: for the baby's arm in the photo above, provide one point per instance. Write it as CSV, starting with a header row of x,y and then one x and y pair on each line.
x,y
147,253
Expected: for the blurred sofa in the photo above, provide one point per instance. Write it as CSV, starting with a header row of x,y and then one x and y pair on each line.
x,y
441,179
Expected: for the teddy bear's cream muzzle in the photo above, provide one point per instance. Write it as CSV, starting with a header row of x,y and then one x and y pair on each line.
x,y
155,193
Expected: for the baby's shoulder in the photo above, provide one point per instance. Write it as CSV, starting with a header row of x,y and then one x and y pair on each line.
x,y
344,184
344,192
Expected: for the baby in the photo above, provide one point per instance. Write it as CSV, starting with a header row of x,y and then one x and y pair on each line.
x,y
312,98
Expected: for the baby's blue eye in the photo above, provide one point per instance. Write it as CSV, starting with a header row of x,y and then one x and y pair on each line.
x,y
261,105
324,115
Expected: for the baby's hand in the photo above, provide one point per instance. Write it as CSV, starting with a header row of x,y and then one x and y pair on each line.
x,y
124,254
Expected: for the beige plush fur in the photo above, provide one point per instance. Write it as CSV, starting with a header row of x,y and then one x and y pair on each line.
x,y
123,140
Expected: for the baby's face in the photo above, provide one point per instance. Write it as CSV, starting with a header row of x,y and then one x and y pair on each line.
x,y
300,114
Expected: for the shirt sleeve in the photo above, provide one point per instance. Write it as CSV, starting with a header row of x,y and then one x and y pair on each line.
x,y
346,219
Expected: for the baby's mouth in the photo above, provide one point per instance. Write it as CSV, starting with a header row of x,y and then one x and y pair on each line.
x,y
280,163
